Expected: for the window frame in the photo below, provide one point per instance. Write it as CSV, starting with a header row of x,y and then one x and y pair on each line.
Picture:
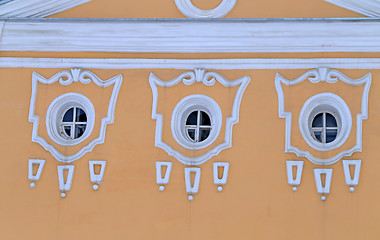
x,y
181,112
55,113
333,104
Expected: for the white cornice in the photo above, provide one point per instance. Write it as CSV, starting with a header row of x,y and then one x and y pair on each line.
x,y
37,8
144,63
370,8
191,36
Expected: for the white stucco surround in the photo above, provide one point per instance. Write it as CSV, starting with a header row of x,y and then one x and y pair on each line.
x,y
330,76
208,79
370,8
66,78
37,8
187,8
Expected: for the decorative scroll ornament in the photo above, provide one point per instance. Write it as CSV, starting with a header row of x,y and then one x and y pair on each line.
x,y
187,8
329,76
66,78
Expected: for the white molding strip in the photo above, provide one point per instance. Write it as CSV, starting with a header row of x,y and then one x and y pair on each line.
x,y
191,35
370,8
66,78
330,76
190,64
208,79
187,8
37,8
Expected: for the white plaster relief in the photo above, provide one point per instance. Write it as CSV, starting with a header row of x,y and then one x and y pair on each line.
x,y
329,76
191,36
36,177
209,79
65,184
96,178
230,64
163,180
370,8
289,169
192,188
187,8
66,78
323,189
37,8
223,179
352,180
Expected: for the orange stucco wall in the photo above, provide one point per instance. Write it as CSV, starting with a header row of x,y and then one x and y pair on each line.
x,y
256,203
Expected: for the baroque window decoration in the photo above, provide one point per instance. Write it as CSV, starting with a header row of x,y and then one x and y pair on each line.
x,y
325,123
70,119
196,123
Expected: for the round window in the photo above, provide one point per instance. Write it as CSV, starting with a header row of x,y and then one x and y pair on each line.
x,y
196,121
325,121
70,119
73,124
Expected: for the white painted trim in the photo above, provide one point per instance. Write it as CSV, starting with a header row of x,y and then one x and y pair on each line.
x,y
65,185
370,8
66,78
41,164
57,109
352,180
163,180
320,102
329,76
97,178
187,8
191,36
289,170
209,79
225,166
37,8
192,188
190,64
182,110
318,180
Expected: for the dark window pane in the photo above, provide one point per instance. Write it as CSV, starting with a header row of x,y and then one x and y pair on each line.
x,y
205,119
68,117
79,130
204,133
331,135
191,133
330,120
318,135
192,118
67,130
81,116
318,120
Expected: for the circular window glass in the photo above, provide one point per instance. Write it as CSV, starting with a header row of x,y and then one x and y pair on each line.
x,y
70,119
198,126
196,121
74,122
325,121
324,127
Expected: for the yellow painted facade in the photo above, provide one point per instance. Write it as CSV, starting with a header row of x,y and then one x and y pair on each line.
x,y
256,202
